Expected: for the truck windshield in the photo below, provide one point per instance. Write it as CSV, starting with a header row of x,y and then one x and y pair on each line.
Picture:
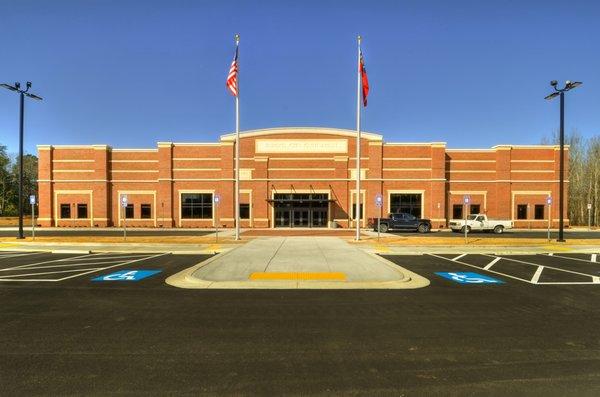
x,y
472,217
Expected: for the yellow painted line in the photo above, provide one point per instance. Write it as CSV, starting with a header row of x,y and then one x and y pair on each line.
x,y
7,244
212,248
559,248
298,276
382,248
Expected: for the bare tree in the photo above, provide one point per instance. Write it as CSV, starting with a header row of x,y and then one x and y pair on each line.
x,y
583,176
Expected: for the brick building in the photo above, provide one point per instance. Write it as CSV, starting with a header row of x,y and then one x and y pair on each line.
x,y
293,177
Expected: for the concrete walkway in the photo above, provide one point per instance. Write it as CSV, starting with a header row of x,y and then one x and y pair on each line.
x,y
297,262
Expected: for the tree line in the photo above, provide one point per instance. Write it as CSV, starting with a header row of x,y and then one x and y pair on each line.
x,y
583,176
9,182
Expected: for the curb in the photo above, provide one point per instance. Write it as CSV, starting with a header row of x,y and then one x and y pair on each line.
x,y
185,279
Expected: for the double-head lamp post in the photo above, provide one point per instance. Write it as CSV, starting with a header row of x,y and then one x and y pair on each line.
x,y
569,85
23,93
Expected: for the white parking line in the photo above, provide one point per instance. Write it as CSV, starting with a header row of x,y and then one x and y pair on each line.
x,y
480,268
489,265
458,257
574,259
71,265
4,278
110,267
545,266
79,271
99,255
19,254
537,274
50,261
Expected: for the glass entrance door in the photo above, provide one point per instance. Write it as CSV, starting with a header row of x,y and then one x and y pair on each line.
x,y
319,218
301,209
283,217
301,217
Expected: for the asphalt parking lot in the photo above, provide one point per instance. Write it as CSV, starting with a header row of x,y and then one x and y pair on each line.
x,y
480,328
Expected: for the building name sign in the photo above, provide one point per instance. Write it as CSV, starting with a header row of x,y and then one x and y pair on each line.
x,y
301,146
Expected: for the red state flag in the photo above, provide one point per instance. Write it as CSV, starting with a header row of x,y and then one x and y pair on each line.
x,y
364,80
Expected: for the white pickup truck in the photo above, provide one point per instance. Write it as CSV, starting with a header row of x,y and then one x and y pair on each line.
x,y
480,222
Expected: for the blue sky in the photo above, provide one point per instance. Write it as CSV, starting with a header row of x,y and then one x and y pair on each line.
x,y
130,73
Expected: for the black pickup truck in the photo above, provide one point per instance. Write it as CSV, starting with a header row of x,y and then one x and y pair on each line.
x,y
401,221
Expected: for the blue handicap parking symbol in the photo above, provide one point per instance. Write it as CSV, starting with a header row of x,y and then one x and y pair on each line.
x,y
127,275
469,278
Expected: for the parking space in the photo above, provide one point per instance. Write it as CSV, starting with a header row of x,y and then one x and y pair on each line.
x,y
533,269
45,267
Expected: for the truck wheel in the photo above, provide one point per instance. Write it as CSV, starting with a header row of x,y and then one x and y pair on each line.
x,y
423,228
462,229
499,229
383,228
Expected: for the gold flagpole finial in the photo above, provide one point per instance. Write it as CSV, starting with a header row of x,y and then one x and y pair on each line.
x,y
359,39
237,38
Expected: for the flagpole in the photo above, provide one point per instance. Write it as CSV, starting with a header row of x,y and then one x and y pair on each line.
x,y
237,153
357,204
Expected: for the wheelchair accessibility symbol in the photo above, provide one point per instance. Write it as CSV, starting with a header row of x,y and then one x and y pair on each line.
x,y
127,275
469,278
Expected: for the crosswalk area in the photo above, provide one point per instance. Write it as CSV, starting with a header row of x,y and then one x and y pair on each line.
x,y
544,269
45,267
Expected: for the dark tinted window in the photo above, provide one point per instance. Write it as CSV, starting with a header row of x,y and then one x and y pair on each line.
x,y
457,211
539,211
354,211
146,211
196,205
65,210
522,211
82,211
475,209
407,203
129,211
244,211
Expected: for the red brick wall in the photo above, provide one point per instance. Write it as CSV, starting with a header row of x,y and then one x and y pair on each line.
x,y
498,179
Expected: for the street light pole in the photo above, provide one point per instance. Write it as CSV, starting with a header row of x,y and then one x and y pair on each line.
x,y
23,94
569,85
20,236
561,195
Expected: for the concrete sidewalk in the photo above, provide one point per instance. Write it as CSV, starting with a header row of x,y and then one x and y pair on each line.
x,y
297,263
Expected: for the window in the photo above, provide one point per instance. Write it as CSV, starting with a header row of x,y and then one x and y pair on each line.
x,y
129,211
407,203
65,211
354,211
475,208
539,211
244,211
457,211
146,211
522,211
82,211
196,205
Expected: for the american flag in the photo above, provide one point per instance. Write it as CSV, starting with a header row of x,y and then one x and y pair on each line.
x,y
232,83
364,80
